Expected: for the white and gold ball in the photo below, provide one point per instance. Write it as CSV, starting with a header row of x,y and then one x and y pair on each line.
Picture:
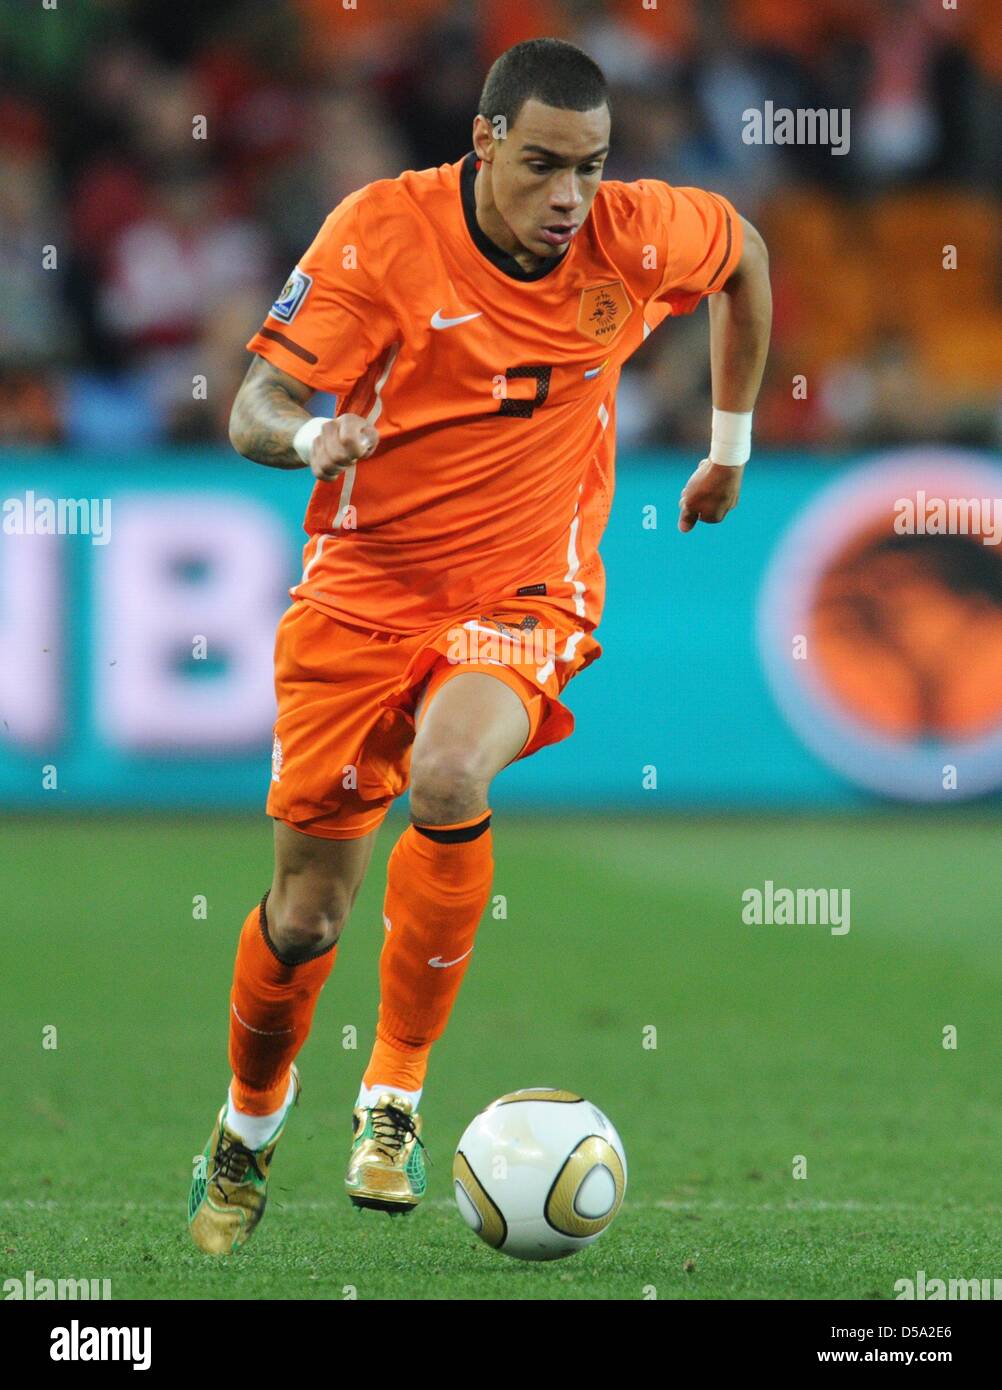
x,y
539,1174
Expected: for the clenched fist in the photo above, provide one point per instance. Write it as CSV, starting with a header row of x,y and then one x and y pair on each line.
x,y
709,495
340,443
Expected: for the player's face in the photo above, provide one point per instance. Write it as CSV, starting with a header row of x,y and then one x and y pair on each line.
x,y
545,174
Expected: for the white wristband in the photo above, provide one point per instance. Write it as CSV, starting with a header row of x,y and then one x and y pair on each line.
x,y
730,437
302,440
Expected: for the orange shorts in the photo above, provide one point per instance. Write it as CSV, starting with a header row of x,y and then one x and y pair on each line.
x,y
347,698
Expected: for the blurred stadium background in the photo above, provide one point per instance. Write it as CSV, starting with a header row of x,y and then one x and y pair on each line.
x,y
170,246
804,658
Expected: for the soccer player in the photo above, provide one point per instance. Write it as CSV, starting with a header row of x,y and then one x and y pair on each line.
x,y
472,321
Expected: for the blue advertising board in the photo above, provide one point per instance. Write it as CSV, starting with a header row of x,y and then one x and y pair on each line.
x,y
812,651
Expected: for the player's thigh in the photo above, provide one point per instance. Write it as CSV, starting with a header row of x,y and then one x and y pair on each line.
x,y
315,883
469,726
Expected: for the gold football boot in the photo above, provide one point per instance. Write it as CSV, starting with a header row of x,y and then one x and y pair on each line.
x,y
229,1188
386,1170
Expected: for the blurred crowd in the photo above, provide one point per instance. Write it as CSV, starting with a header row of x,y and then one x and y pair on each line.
x,y
163,165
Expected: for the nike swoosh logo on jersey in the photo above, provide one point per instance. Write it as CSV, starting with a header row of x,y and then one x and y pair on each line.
x,y
437,321
441,964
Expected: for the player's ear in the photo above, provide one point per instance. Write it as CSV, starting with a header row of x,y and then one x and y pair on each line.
x,y
483,137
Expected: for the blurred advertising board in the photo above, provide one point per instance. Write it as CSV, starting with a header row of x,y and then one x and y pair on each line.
x,y
837,639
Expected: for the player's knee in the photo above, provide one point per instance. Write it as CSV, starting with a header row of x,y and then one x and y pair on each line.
x,y
447,784
303,922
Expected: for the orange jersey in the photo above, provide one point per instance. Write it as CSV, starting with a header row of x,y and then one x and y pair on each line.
x,y
493,389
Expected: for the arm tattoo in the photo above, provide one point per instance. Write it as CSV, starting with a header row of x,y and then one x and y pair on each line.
x,y
267,412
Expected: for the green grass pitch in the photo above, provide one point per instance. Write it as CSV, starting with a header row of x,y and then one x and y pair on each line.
x,y
772,1042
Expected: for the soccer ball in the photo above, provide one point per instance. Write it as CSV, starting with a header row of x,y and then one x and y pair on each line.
x,y
539,1174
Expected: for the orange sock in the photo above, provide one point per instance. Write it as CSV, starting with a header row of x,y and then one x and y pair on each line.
x,y
271,1010
437,886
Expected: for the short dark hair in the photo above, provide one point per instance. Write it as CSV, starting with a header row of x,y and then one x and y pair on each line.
x,y
551,70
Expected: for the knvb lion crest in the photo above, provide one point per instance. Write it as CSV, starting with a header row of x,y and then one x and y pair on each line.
x,y
603,311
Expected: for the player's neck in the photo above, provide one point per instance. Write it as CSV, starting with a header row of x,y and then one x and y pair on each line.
x,y
493,225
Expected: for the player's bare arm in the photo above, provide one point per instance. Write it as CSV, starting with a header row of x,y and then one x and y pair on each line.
x,y
268,413
740,321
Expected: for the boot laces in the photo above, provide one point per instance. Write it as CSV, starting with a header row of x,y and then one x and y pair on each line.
x,y
392,1128
232,1160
